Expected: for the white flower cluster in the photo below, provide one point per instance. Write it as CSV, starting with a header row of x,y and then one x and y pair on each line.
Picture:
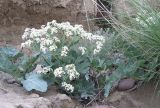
x,y
64,51
82,49
68,71
99,46
44,37
67,87
59,72
43,70
71,71
99,40
47,39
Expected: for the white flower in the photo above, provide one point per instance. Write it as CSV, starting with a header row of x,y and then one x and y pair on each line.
x,y
56,39
49,23
52,47
28,43
46,69
59,72
96,51
47,41
23,45
99,45
71,71
98,38
70,67
64,51
54,30
35,33
38,69
89,36
27,29
26,33
42,26
68,33
82,49
43,70
54,22
68,87
78,29
38,40
43,48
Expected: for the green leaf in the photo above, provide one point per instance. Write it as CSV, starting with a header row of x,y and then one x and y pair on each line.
x,y
27,63
5,64
46,59
107,89
34,81
85,88
10,51
82,64
74,41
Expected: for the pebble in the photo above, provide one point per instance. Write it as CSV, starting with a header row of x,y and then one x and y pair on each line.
x,y
34,95
126,84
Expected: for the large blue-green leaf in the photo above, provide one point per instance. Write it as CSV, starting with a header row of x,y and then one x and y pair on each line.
x,y
5,64
107,89
12,53
8,50
28,63
34,81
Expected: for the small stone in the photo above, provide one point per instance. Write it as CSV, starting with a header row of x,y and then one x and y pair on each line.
x,y
11,81
126,84
62,101
34,95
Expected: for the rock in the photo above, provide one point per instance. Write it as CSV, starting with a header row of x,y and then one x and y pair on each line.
x,y
11,81
34,95
14,96
62,101
5,76
16,15
126,84
12,100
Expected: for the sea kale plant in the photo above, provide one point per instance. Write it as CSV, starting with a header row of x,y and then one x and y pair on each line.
x,y
67,56
81,64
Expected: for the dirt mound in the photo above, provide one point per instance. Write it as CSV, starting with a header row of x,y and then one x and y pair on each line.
x,y
146,96
12,95
37,12
16,15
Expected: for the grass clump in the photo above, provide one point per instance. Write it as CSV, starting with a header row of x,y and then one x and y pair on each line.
x,y
140,38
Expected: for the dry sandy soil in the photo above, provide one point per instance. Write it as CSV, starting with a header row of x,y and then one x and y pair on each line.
x,y
12,95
